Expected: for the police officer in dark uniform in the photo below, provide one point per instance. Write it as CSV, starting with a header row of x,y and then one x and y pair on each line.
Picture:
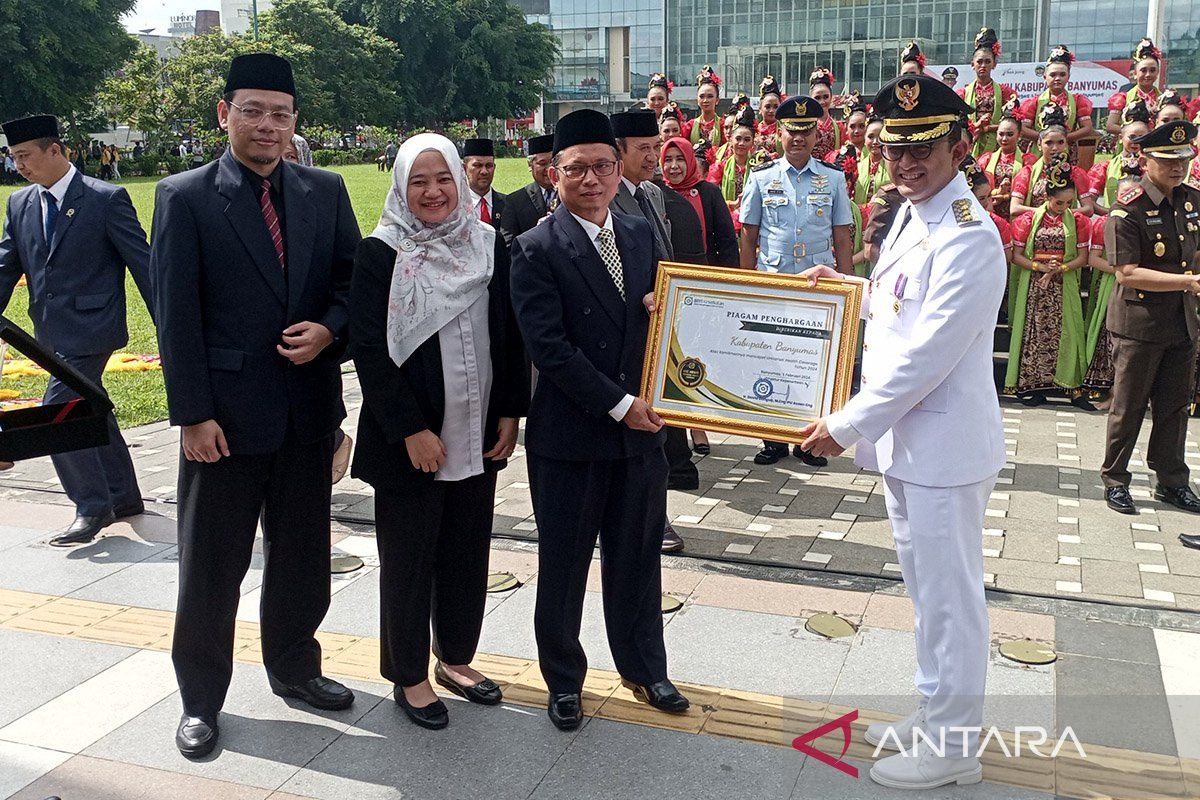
x,y
1153,240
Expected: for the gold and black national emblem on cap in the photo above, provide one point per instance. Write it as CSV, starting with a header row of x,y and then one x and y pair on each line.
x,y
916,109
1171,140
691,372
799,113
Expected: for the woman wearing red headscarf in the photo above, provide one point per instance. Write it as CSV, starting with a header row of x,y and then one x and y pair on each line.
x,y
682,173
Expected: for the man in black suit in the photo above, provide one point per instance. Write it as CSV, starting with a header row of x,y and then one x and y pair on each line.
x,y
637,194
73,238
596,463
524,208
479,162
251,258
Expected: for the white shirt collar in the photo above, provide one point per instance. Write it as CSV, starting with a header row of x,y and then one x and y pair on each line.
x,y
630,185
592,229
479,197
59,189
934,208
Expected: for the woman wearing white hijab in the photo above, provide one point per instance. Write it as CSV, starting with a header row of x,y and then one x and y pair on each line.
x,y
444,381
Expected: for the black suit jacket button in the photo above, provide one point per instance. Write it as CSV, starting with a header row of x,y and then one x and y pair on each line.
x,y
622,376
49,295
587,310
603,345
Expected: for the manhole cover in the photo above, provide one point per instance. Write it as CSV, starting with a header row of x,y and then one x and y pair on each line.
x,y
501,582
671,604
340,565
831,626
1025,651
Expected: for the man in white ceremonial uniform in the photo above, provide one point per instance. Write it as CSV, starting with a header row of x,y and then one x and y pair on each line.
x,y
927,417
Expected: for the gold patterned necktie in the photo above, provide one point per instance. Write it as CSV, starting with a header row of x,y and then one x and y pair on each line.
x,y
612,259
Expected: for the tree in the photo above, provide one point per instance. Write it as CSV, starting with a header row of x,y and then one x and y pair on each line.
x,y
462,58
343,72
55,53
136,95
348,66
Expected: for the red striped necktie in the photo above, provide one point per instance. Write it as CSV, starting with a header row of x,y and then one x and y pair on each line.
x,y
272,220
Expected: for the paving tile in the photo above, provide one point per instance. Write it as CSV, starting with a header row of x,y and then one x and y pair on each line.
x,y
820,781
1114,703
757,652
264,739
97,779
40,568
792,600
383,755
1106,640
39,668
22,764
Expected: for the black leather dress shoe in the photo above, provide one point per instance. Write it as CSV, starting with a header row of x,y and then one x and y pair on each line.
x,y
1190,540
662,695
129,510
82,530
196,736
1119,500
565,711
319,692
672,542
486,692
434,716
1181,497
809,458
1083,403
770,454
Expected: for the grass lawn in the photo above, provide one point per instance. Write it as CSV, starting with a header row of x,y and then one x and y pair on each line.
x,y
139,396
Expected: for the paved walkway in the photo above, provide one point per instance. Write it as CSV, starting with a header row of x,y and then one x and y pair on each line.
x,y
1049,532
90,702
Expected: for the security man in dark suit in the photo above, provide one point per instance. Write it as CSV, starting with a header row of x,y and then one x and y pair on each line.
x,y
73,237
638,195
479,161
524,208
251,258
1153,239
596,463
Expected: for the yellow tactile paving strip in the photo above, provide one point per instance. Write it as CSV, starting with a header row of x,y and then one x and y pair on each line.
x,y
769,719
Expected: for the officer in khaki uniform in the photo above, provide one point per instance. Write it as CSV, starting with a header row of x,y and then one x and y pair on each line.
x,y
1153,241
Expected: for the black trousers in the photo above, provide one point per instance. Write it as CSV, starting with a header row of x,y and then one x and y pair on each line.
x,y
1162,375
683,474
433,563
623,502
220,506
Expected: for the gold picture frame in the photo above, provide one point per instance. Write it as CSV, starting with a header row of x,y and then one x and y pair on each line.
x,y
749,353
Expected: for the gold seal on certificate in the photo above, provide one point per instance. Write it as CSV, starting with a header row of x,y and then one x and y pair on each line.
x,y
751,353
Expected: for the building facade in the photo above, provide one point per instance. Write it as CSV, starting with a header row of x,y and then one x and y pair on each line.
x,y
237,16
610,47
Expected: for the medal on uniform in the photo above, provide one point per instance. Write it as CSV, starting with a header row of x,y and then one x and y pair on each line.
x,y
1188,206
1160,249
898,291
820,182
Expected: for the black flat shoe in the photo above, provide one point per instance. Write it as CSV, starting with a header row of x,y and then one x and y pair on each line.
x,y
196,736
565,710
809,458
662,695
770,454
1119,500
433,716
672,542
486,692
1190,540
702,449
1182,497
319,692
82,530
1082,403
1032,399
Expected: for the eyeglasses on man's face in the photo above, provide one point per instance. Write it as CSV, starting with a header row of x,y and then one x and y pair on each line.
x,y
895,152
601,169
280,120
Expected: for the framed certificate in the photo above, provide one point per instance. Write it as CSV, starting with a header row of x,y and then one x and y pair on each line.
x,y
752,353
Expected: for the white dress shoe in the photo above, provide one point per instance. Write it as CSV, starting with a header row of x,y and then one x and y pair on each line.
x,y
925,770
902,730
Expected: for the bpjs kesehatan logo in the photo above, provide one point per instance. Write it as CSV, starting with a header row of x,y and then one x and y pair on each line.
x,y
1026,742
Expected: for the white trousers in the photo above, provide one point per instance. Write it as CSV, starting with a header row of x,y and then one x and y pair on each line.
x,y
939,541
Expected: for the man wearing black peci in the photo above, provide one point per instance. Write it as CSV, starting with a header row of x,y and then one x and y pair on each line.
x,y
251,259
526,206
596,463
